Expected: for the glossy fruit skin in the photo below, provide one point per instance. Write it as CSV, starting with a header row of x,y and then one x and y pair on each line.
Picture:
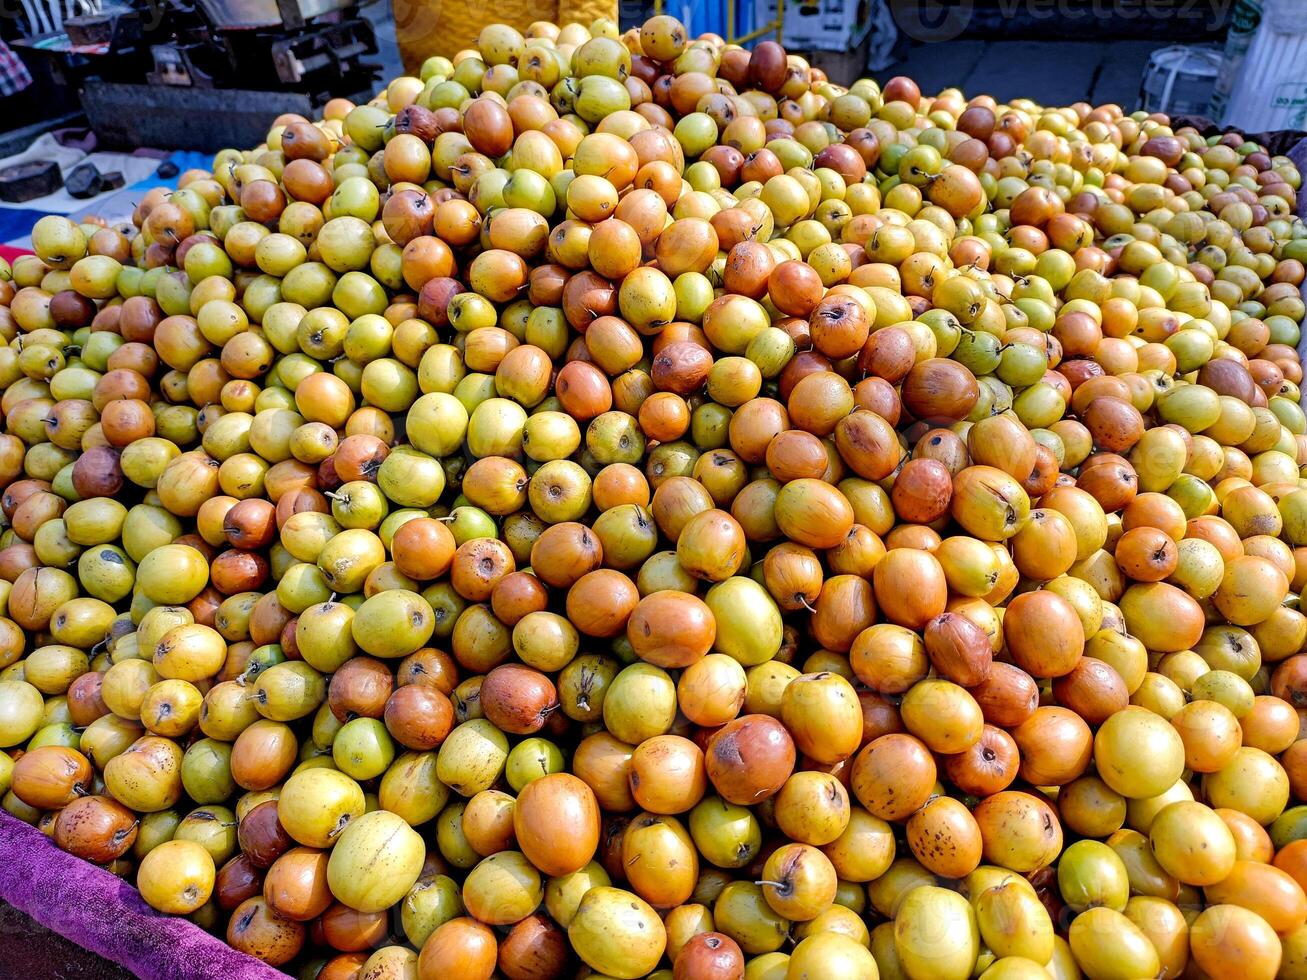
x,y
625,940
256,930
588,495
958,649
878,776
535,946
315,807
368,841
671,629
945,838
262,837
544,805
1129,947
823,715
517,699
236,881
710,955
1183,827
1019,830
749,759
296,885
922,904
1140,730
462,944
50,777
176,877
95,828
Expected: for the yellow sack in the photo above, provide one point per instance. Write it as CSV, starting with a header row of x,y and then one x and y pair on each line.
x,y
585,11
430,27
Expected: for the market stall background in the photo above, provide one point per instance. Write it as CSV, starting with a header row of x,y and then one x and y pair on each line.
x,y
1067,51
140,171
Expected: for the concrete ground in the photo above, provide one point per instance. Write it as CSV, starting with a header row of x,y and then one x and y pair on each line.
x,y
1053,72
383,22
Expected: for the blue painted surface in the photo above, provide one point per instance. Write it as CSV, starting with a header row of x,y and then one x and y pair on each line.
x,y
16,222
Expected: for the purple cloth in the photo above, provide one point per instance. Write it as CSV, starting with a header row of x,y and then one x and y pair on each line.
x,y
104,914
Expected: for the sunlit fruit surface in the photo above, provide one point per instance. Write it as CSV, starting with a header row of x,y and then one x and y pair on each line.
x,y
621,505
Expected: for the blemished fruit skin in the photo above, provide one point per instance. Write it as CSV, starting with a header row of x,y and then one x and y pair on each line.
x,y
617,501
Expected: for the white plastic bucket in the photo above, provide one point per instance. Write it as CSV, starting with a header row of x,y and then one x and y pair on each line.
x,y
1179,80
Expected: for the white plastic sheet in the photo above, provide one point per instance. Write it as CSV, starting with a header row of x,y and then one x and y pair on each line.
x,y
46,147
